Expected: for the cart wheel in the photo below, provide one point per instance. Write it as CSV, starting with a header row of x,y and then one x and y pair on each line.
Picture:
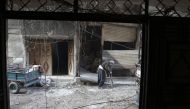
x,y
14,87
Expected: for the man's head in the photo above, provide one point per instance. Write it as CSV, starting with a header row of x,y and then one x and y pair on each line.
x,y
111,62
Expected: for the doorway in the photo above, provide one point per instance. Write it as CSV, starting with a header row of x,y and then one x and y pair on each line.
x,y
60,58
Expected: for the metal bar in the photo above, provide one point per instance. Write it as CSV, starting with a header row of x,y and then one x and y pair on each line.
x,y
75,16
146,7
4,99
24,4
75,6
144,61
57,8
41,5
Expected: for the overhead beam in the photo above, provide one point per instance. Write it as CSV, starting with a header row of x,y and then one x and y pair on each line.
x,y
74,16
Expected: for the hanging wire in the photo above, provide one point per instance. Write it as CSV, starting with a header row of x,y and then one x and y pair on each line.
x,y
57,52
44,66
93,34
97,36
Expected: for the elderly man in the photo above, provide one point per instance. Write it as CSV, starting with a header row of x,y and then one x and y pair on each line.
x,y
105,70
107,65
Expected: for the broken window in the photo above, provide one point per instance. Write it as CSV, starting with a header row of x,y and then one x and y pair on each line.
x,y
118,45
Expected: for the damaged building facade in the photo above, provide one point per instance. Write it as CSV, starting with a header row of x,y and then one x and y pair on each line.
x,y
166,42
64,48
46,43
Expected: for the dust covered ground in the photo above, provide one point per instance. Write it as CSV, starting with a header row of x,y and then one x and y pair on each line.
x,y
66,94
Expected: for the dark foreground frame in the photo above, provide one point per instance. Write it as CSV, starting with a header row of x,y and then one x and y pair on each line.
x,y
75,16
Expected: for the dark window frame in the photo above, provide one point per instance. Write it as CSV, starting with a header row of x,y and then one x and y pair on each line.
x,y
65,16
110,45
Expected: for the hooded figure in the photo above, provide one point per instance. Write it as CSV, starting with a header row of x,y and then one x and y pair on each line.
x,y
101,76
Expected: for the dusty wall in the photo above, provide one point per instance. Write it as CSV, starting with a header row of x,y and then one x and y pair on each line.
x,y
15,44
49,29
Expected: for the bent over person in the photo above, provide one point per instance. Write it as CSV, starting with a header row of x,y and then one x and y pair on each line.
x,y
107,66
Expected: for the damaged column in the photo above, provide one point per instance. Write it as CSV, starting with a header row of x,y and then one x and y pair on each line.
x,y
76,69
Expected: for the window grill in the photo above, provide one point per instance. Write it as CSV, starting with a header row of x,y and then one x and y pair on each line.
x,y
40,5
171,8
126,7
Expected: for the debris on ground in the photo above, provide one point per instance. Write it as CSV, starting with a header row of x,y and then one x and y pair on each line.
x,y
69,95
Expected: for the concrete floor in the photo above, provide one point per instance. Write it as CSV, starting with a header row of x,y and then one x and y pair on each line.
x,y
66,94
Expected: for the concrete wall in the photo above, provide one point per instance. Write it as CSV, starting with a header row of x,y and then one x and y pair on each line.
x,y
15,44
50,29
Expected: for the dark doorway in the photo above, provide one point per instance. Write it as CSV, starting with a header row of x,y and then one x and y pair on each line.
x,y
90,56
60,58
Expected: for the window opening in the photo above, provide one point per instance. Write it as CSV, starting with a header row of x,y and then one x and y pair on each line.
x,y
56,64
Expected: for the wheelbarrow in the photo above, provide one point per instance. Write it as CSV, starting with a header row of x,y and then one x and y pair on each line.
x,y
18,79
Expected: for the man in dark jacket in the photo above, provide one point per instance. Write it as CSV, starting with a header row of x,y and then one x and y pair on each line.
x,y
103,71
101,76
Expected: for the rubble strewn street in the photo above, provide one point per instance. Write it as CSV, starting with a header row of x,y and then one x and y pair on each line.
x,y
67,94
